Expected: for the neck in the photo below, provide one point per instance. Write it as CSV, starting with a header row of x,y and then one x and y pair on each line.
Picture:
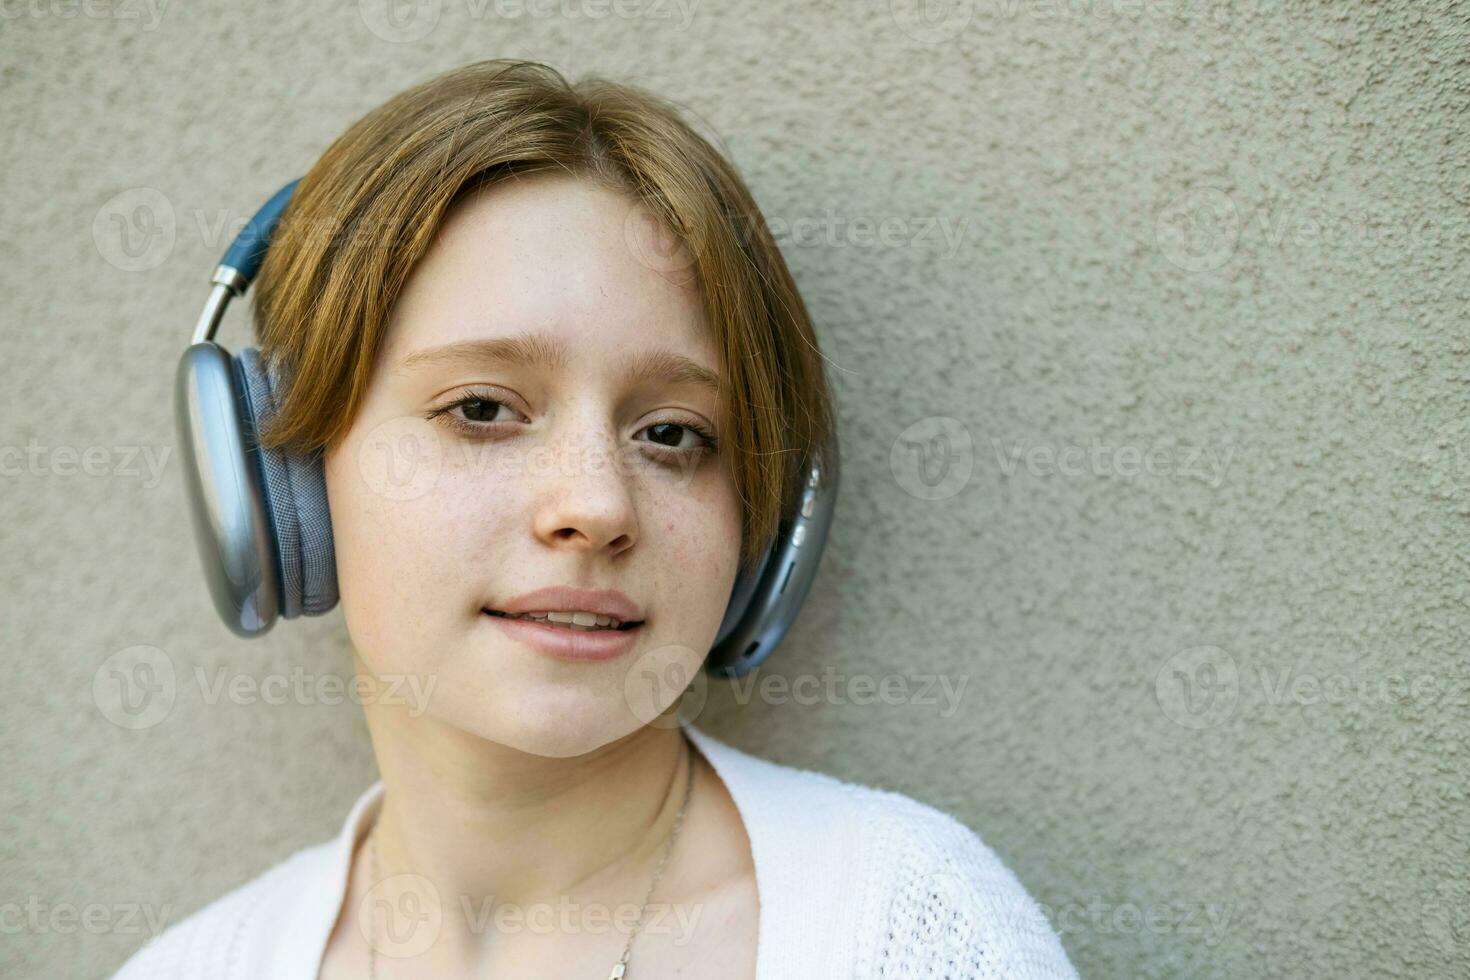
x,y
488,824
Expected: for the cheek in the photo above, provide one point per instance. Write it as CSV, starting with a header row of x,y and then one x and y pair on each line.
x,y
694,544
410,550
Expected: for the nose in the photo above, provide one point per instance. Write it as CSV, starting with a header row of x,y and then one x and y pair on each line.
x,y
584,500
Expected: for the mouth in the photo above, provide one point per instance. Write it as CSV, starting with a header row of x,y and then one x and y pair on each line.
x,y
570,635
571,621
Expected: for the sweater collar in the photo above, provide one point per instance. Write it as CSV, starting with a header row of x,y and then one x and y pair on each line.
x,y
735,768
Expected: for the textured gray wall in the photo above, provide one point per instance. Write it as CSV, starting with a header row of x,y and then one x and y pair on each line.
x,y
1177,290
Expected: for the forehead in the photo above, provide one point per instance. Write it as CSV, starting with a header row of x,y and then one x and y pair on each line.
x,y
552,255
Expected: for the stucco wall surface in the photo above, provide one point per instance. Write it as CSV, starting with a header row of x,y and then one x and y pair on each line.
x,y
1147,324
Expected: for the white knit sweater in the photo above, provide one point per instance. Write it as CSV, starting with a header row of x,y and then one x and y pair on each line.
x,y
854,882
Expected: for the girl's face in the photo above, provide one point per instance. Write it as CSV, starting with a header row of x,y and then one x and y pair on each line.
x,y
534,420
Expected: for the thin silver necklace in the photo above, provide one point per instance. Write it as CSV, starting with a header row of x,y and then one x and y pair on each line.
x,y
620,967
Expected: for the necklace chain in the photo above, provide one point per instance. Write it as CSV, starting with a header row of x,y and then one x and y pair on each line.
x,y
620,967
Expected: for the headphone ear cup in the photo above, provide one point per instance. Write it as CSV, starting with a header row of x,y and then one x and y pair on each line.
x,y
294,489
741,594
222,483
767,599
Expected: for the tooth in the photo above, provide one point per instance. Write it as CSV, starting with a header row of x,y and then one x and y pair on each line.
x,y
575,619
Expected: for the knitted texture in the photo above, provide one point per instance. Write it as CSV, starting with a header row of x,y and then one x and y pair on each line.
x,y
949,908
855,882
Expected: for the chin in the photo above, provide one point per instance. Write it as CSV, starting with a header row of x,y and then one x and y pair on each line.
x,y
553,718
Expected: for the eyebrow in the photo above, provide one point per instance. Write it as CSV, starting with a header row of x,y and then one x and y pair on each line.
x,y
538,350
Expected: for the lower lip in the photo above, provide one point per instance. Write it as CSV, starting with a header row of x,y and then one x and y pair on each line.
x,y
569,644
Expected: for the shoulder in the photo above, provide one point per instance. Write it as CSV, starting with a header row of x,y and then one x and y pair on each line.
x,y
947,898
926,896
230,937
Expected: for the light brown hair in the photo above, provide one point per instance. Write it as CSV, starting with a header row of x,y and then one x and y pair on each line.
x,y
366,212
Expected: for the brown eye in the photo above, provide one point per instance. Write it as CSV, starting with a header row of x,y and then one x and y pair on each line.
x,y
476,415
672,435
480,409
667,433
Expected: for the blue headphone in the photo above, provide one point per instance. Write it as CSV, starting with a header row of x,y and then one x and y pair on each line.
x,y
260,515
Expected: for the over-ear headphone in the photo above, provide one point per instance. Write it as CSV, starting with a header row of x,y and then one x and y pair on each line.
x,y
260,515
